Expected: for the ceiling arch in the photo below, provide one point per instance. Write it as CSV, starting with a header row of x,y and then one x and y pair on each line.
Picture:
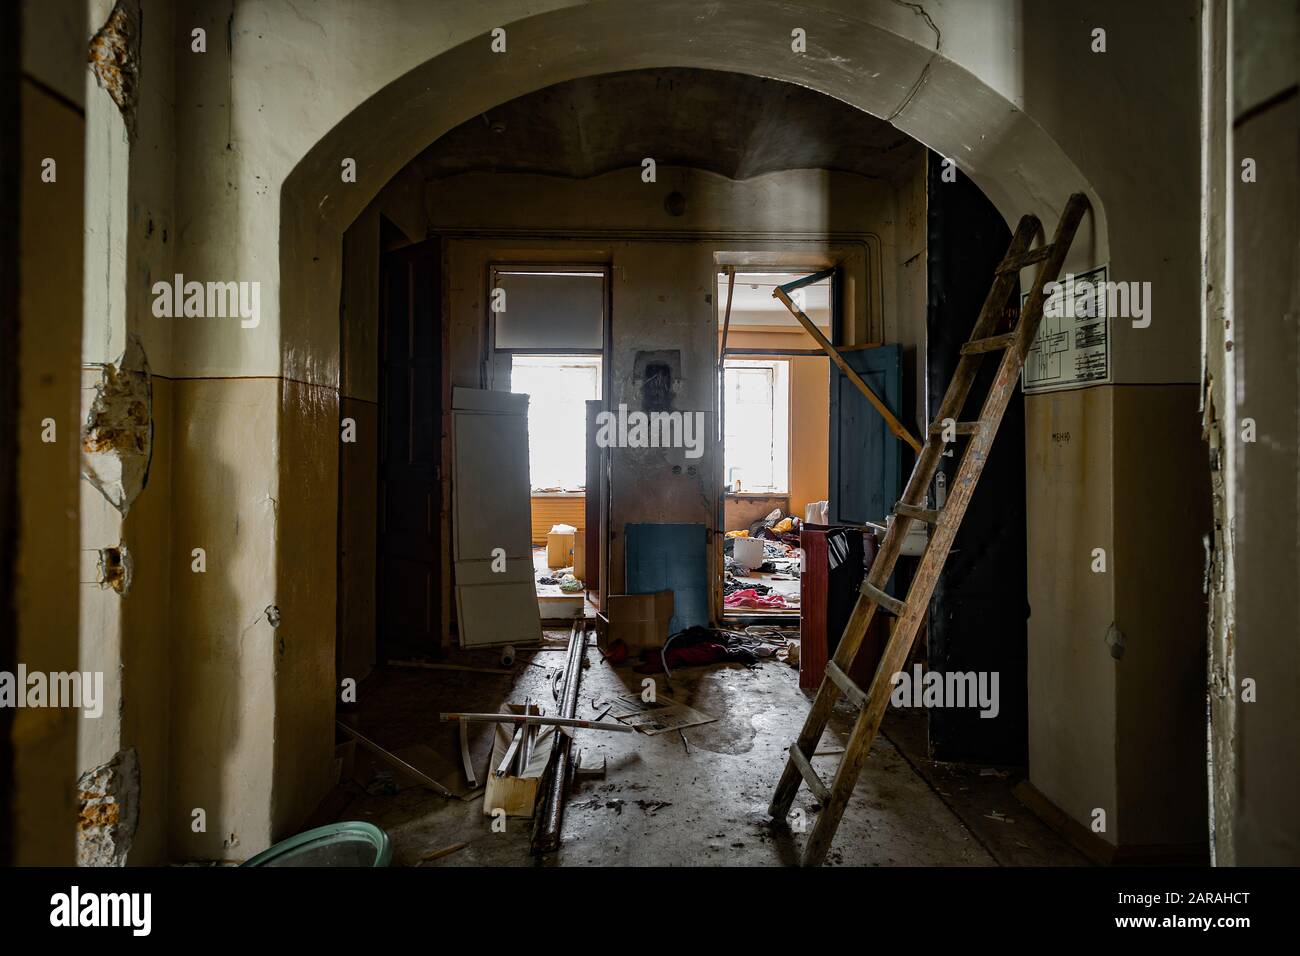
x,y
734,124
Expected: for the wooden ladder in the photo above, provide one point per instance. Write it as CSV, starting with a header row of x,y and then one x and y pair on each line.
x,y
945,521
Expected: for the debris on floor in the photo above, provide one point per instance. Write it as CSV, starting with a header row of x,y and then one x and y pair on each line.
x,y
521,755
442,851
656,716
590,765
750,598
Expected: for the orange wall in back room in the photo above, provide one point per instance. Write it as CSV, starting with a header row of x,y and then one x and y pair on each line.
x,y
549,510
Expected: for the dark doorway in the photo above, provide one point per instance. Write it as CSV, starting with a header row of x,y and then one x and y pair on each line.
x,y
979,612
409,587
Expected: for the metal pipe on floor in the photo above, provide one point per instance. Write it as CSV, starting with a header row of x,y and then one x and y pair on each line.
x,y
536,721
546,837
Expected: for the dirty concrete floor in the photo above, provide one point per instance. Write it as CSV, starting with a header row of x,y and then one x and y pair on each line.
x,y
669,802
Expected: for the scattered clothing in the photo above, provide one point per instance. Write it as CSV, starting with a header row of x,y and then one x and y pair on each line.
x,y
697,646
750,598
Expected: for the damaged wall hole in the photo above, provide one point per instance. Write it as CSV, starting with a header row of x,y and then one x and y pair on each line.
x,y
115,569
114,58
117,438
108,800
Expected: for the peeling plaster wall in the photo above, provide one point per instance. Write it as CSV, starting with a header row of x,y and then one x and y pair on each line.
x,y
129,244
1252,299
108,811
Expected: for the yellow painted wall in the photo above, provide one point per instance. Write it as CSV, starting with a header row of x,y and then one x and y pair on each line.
x,y
1072,675
44,739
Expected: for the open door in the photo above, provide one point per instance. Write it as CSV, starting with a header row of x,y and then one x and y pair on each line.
x,y
496,602
409,549
866,393
865,469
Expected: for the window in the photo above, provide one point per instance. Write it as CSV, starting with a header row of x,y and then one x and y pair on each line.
x,y
757,440
558,388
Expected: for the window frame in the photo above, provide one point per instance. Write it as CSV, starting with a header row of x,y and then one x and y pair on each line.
x,y
781,370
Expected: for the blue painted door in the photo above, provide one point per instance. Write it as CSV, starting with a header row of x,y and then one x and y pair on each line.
x,y
865,475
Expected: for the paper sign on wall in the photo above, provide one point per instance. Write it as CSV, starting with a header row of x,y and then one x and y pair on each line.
x,y
1072,347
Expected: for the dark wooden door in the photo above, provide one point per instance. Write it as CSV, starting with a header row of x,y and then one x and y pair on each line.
x,y
979,612
410,450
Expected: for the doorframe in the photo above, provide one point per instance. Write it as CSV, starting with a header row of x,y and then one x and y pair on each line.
x,y
606,352
738,263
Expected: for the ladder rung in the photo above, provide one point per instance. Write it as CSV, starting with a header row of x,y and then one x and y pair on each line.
x,y
928,515
819,789
959,428
892,605
852,691
991,344
1027,259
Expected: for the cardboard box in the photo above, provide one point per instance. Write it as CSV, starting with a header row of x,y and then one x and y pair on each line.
x,y
559,548
638,620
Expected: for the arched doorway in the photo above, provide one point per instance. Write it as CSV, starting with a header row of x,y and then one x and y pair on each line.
x,y
886,62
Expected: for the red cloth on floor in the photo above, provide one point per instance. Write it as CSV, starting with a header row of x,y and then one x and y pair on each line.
x,y
692,655
751,598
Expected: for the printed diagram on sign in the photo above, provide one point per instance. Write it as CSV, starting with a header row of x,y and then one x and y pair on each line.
x,y
1072,346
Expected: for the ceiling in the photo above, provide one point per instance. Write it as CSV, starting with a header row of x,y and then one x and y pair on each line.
x,y
733,124
753,303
